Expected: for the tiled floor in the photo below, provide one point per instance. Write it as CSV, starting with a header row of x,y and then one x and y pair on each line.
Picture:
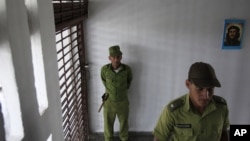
x,y
132,137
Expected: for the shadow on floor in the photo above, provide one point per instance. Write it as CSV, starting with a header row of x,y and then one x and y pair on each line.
x,y
132,137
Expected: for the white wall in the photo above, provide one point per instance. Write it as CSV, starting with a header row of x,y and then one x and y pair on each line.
x,y
160,39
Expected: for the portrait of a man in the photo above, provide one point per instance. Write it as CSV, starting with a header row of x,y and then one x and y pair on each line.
x,y
232,36
233,33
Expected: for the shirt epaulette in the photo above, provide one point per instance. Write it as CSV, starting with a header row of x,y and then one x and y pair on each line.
x,y
219,99
175,104
108,65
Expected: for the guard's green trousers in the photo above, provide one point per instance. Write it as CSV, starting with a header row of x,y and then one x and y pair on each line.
x,y
111,110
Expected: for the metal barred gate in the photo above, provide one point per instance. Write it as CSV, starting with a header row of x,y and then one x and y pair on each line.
x,y
69,19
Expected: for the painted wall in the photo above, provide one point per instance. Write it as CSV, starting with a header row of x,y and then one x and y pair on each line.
x,y
160,39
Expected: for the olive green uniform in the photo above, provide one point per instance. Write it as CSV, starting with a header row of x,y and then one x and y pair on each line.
x,y
117,104
179,121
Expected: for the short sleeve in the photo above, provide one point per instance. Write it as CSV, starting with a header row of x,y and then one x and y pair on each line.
x,y
226,121
164,126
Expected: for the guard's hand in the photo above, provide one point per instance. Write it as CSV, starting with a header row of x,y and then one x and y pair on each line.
x,y
104,97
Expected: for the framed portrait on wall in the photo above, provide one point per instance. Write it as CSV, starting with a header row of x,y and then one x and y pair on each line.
x,y
233,34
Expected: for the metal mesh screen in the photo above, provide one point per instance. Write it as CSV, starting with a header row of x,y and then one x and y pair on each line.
x,y
70,56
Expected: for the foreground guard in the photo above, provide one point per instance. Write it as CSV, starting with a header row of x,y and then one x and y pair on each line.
x,y
197,116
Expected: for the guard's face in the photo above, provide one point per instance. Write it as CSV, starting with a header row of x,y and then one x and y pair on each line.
x,y
115,61
200,97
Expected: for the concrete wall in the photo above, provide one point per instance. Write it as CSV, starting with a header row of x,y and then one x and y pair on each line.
x,y
160,39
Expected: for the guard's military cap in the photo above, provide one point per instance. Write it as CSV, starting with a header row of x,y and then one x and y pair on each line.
x,y
115,51
203,75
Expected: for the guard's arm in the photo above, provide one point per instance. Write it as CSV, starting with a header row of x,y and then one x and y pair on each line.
x,y
130,76
225,131
155,139
103,77
164,126
224,136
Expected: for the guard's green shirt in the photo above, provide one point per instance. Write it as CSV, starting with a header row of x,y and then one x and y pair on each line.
x,y
116,84
180,122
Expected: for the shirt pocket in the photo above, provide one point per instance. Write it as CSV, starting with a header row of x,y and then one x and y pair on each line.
x,y
122,79
122,75
109,77
184,131
182,134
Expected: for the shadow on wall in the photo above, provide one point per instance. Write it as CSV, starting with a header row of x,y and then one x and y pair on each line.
x,y
135,96
101,6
